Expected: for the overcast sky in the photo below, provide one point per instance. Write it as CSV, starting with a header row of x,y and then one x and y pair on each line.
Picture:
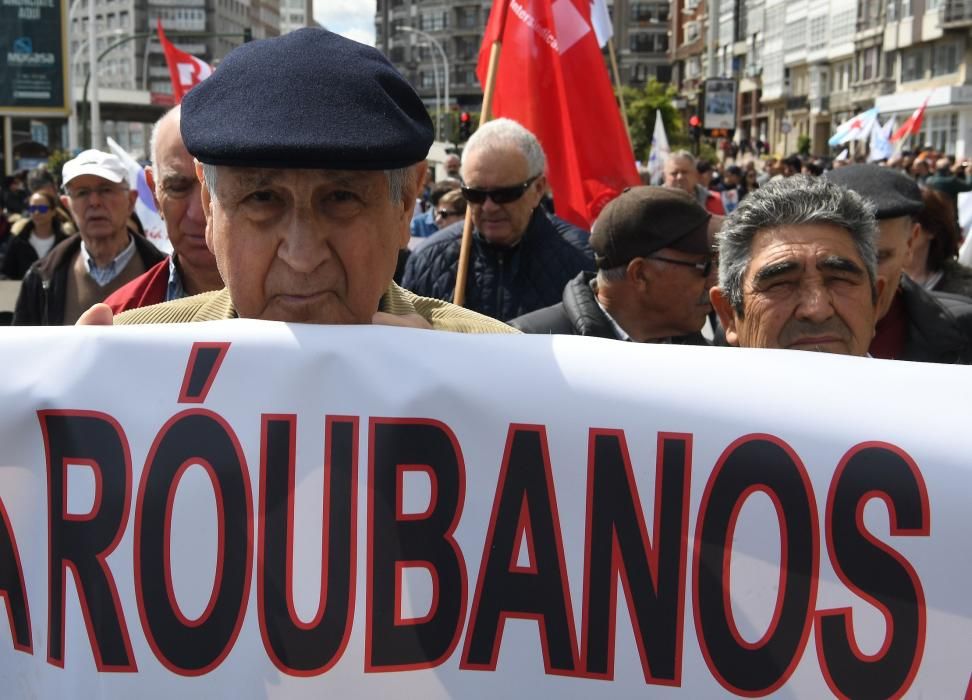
x,y
354,19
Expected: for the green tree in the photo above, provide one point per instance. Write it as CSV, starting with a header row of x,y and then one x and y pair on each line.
x,y
641,105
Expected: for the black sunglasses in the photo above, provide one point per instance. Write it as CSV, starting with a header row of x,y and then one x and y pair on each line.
x,y
704,268
500,195
447,212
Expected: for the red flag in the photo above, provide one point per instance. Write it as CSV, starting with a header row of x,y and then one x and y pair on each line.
x,y
185,70
912,124
552,79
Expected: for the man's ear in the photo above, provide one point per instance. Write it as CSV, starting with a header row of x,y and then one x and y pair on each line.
x,y
727,315
912,237
150,181
132,198
207,206
413,186
638,273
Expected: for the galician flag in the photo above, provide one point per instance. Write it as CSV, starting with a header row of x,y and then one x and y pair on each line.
x,y
856,128
881,146
660,150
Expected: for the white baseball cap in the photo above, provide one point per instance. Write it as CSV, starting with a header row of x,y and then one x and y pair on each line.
x,y
95,162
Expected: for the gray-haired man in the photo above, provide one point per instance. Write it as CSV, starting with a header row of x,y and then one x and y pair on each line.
x,y
798,269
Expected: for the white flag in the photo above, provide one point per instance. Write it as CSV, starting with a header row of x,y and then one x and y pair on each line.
x,y
148,215
601,21
881,146
659,150
857,128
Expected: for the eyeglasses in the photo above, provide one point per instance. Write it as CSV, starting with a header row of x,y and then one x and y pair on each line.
x,y
444,213
38,208
704,268
499,195
83,193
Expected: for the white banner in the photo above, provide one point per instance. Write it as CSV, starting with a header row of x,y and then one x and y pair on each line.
x,y
249,509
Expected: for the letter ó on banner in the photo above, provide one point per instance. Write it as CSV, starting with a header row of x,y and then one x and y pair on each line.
x,y
12,588
295,647
82,543
877,573
524,498
750,464
193,647
617,545
397,541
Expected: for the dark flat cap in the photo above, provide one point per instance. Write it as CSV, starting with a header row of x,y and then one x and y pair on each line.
x,y
891,192
308,99
643,220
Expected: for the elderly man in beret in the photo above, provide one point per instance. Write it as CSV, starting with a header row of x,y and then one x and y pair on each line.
x,y
311,149
798,269
651,246
913,324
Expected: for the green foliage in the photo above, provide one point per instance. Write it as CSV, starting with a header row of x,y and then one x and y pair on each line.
x,y
641,105
803,144
56,161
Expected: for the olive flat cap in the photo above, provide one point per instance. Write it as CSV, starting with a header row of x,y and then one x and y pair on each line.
x,y
891,192
643,220
307,99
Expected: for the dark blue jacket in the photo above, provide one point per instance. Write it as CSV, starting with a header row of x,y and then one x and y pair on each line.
x,y
503,282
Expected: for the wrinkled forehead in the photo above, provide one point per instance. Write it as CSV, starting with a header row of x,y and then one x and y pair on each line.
x,y
257,178
805,244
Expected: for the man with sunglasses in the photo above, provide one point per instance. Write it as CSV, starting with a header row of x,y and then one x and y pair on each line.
x,y
86,268
521,256
651,246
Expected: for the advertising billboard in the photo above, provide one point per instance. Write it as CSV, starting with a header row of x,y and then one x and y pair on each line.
x,y
33,57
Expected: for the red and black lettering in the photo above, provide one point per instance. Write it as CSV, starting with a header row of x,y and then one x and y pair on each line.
x,y
82,543
876,572
12,588
617,544
296,647
524,498
756,463
425,540
193,647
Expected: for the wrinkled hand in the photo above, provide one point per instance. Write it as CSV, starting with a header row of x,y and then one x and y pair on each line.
x,y
97,315
407,321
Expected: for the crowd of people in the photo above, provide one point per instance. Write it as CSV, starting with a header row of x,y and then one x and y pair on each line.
x,y
290,220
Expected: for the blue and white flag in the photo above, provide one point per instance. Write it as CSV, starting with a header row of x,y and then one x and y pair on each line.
x,y
601,21
660,150
856,128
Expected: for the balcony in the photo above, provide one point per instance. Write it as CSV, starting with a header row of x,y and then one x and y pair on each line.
x,y
956,14
797,103
820,105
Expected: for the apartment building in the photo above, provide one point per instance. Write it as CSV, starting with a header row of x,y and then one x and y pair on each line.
x,y
805,66
927,50
641,39
295,14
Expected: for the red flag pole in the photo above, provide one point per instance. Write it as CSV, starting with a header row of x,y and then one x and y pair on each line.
x,y
462,270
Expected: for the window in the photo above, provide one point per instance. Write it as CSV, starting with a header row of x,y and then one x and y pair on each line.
x,y
913,65
946,58
691,31
795,34
869,63
433,21
818,33
467,17
941,131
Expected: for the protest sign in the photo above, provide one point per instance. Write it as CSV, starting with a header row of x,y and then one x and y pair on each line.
x,y
248,509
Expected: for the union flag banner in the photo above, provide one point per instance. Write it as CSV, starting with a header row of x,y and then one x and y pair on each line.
x,y
552,79
185,70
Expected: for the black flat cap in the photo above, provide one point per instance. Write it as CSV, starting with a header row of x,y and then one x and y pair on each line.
x,y
643,220
891,192
308,99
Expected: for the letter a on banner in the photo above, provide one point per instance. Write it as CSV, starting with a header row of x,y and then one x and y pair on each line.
x,y
185,70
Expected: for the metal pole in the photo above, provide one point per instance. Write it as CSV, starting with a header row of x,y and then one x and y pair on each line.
x,y
72,102
93,75
713,28
445,69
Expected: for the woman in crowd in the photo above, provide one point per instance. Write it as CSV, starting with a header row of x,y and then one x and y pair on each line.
x,y
36,239
933,264
451,208
749,182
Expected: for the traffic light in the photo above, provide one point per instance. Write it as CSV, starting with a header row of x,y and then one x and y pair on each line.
x,y
247,35
465,126
695,126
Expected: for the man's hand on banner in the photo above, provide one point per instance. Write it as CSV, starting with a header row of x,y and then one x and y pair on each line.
x,y
97,315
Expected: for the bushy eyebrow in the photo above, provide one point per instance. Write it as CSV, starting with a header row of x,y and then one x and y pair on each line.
x,y
840,264
774,270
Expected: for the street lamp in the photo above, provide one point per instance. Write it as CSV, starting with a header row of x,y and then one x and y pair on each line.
x,y
445,71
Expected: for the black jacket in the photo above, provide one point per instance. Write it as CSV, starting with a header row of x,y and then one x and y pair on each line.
x,y
939,326
21,254
503,282
579,314
44,289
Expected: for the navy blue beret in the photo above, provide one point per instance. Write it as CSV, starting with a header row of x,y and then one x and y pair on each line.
x,y
308,99
891,192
